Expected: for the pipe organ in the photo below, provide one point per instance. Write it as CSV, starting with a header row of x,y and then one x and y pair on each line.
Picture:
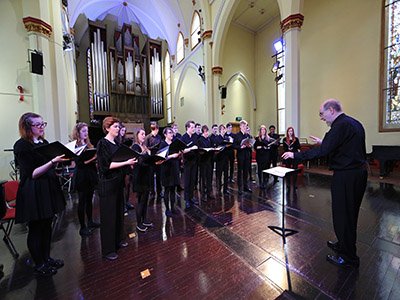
x,y
124,75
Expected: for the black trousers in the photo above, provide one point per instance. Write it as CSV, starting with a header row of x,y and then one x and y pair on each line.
x,y
169,197
347,191
111,214
206,176
261,166
189,178
39,240
141,209
222,168
243,170
155,170
85,205
231,162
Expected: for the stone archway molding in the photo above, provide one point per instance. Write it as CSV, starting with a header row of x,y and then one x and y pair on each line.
x,y
240,76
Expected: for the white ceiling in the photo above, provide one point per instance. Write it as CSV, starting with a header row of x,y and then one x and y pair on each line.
x,y
160,18
157,18
255,14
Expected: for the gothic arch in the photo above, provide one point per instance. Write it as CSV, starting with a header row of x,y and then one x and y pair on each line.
x,y
241,77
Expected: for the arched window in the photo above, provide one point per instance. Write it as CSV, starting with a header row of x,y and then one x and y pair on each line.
x,y
167,76
389,108
180,48
195,30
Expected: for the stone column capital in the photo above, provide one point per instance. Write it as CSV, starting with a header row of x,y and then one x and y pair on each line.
x,y
37,26
292,21
217,70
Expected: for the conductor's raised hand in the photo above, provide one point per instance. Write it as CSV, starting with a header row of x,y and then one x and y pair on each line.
x,y
287,155
316,140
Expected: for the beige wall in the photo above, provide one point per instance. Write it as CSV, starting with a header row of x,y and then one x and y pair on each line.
x,y
52,94
238,56
340,57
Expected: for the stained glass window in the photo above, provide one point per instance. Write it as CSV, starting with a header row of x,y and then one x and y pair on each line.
x,y
390,102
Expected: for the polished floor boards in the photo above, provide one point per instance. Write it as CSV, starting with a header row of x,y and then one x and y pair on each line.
x,y
223,249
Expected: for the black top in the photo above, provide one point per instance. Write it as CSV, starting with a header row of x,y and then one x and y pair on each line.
x,y
141,173
291,146
152,142
177,136
275,146
85,176
204,142
242,152
190,141
105,151
169,169
262,149
344,143
39,198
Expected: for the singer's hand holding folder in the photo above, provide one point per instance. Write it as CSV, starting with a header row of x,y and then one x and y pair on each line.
x,y
51,150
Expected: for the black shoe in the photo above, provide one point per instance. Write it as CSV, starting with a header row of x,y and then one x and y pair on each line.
x,y
232,181
248,190
55,263
85,231
92,224
141,228
226,192
111,256
341,262
123,244
44,270
334,246
129,206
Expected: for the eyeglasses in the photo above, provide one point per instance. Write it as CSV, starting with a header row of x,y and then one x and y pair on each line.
x,y
39,125
321,113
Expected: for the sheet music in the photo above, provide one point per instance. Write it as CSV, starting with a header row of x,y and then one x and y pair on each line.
x,y
279,171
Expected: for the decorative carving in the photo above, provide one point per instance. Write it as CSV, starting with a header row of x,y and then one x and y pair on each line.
x,y
217,70
206,34
293,21
186,41
36,25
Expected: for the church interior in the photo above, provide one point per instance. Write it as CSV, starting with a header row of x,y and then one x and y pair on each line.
x,y
269,62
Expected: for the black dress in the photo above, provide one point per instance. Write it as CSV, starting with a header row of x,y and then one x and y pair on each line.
x,y
262,157
39,198
111,198
169,170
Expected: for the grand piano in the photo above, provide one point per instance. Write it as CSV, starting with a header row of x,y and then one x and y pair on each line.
x,y
386,155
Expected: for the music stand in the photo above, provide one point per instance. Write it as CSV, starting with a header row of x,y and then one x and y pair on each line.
x,y
282,173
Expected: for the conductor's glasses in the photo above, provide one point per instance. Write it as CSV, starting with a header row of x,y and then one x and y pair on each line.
x,y
39,125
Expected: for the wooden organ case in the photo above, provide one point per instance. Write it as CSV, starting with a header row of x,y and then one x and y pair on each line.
x,y
124,76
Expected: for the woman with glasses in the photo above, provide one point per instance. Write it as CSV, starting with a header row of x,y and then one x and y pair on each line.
x,y
111,185
85,180
169,173
39,196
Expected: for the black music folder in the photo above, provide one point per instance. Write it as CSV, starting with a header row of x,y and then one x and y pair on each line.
x,y
176,146
87,154
51,150
124,153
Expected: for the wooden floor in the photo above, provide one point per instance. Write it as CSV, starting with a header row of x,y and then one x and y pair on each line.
x,y
223,249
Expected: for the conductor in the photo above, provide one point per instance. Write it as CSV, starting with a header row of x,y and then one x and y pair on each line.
x,y
344,143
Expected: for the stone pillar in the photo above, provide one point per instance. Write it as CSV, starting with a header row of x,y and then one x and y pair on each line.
x,y
209,84
218,102
291,34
